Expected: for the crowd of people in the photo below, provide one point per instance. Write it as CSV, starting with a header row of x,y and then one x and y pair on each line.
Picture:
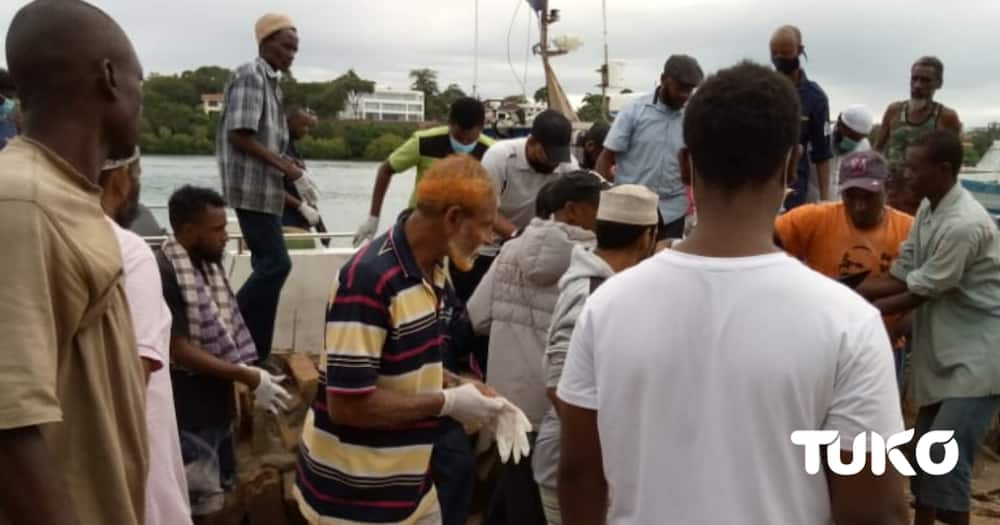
x,y
625,328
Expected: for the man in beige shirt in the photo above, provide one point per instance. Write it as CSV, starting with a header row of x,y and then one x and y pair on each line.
x,y
72,430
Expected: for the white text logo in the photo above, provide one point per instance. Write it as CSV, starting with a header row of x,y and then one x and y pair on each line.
x,y
881,449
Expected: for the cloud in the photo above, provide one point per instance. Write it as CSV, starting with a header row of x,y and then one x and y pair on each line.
x,y
859,51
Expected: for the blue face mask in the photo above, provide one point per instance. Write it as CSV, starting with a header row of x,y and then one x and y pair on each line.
x,y
458,147
7,107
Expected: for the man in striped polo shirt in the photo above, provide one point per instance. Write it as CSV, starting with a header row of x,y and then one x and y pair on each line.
x,y
367,439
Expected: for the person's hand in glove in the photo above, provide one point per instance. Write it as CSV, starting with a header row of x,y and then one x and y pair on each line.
x,y
269,394
309,213
511,431
467,405
307,189
366,231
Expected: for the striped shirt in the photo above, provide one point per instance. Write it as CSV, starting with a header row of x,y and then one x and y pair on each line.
x,y
385,330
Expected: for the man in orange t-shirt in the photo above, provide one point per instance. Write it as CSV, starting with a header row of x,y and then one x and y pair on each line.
x,y
861,233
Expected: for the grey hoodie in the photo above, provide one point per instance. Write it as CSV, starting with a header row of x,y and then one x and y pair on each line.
x,y
514,303
574,289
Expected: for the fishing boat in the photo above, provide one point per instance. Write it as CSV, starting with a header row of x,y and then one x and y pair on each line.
x,y
983,181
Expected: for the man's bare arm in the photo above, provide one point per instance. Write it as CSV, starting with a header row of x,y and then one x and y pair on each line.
x,y
382,408
891,113
880,287
950,121
867,499
32,487
385,173
184,352
604,164
503,227
583,489
291,203
245,141
899,303
823,179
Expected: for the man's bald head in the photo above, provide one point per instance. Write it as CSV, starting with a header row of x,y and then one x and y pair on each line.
x,y
786,42
71,61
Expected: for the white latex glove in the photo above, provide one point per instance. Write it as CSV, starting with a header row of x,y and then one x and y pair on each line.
x,y
512,429
269,395
366,231
307,189
467,405
311,214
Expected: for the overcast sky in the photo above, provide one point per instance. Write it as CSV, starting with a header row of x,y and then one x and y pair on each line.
x,y
859,51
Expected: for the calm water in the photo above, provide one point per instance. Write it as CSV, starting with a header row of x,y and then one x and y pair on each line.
x,y
346,187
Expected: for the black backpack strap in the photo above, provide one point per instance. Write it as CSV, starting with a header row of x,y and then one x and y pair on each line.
x,y
596,282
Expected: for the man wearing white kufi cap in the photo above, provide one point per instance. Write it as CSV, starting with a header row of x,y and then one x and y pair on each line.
x,y
626,234
850,135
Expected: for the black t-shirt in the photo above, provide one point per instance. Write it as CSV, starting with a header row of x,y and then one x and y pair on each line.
x,y
200,401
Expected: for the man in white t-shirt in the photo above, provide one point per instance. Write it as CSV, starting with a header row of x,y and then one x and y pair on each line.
x,y
166,485
687,374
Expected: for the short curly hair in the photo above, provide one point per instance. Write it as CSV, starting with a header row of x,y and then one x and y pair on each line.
x,y
458,180
740,125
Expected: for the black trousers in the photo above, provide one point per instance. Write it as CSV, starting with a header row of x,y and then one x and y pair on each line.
x,y
516,500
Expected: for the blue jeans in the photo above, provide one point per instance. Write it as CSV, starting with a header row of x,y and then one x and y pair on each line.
x,y
970,418
453,468
258,298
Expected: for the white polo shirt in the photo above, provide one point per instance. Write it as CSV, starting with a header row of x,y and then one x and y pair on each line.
x,y
701,368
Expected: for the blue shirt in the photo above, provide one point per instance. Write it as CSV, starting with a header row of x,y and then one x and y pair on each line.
x,y
646,137
7,130
815,137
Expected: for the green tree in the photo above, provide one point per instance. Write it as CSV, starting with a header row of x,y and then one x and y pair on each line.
x,y
592,109
425,81
353,88
542,95
444,101
383,146
208,79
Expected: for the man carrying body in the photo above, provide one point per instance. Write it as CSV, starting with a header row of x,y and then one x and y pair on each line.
x,y
250,143
645,138
72,426
367,439
513,305
850,135
626,234
906,120
299,211
949,270
166,486
786,48
669,357
8,105
210,345
860,234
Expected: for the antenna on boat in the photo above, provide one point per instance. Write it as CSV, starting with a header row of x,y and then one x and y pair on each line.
x,y
605,73
475,52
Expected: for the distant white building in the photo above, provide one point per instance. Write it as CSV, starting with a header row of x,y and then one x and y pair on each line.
x,y
387,104
212,103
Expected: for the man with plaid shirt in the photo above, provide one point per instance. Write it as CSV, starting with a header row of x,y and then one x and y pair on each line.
x,y
252,135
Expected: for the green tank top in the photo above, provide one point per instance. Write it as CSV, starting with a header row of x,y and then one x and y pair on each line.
x,y
905,132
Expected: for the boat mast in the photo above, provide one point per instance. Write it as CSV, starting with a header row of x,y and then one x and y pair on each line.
x,y
605,72
475,52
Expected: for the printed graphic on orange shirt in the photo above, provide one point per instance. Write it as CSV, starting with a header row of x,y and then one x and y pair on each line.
x,y
860,258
